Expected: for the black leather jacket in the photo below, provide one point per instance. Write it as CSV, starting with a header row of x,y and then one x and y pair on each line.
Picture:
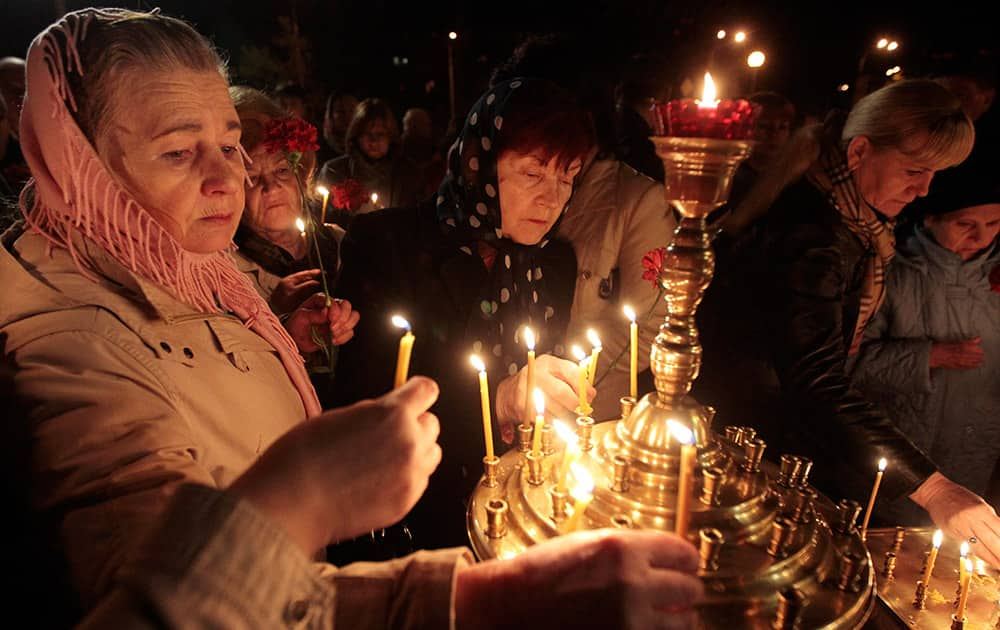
x,y
790,300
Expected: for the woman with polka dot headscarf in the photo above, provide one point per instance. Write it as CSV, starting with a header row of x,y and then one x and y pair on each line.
x,y
469,270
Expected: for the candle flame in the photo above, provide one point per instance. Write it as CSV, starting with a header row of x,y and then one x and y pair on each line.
x,y
584,482
593,338
565,433
708,93
323,190
539,401
578,353
374,198
683,434
882,463
938,536
399,322
629,313
300,224
477,363
968,566
980,567
964,549
529,338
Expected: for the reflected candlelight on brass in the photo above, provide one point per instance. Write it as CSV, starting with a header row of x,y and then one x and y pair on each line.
x,y
524,437
733,434
920,596
787,470
804,498
496,518
710,545
620,483
897,539
848,512
754,449
620,521
548,439
490,465
800,470
534,467
889,565
712,481
850,564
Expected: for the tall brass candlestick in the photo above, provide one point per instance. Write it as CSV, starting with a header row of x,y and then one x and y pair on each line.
x,y
871,500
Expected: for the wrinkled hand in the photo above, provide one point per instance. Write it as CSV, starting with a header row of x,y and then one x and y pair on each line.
x,y
961,514
293,289
961,355
558,379
596,579
349,470
334,323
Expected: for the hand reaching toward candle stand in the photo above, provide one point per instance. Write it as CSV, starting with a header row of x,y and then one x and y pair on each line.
x,y
557,378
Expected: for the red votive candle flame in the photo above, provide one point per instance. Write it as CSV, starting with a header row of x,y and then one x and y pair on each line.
x,y
726,119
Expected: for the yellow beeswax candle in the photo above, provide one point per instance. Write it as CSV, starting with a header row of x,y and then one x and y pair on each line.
x,y
633,359
484,398
405,347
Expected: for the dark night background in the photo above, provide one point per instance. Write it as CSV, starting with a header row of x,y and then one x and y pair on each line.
x,y
351,44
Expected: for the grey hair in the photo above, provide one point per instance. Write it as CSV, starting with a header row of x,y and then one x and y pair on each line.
x,y
891,117
127,41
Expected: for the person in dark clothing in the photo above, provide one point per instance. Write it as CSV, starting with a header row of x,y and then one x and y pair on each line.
x,y
810,281
469,270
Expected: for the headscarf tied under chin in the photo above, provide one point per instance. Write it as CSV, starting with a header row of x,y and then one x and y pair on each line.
x,y
468,206
73,193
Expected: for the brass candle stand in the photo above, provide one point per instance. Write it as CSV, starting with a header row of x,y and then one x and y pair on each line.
x,y
773,552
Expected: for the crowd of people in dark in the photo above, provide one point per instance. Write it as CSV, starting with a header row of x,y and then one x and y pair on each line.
x,y
199,357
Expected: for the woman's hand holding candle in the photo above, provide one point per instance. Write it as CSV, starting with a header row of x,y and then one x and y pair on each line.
x,y
338,318
559,381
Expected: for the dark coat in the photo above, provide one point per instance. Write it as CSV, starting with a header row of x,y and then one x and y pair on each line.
x,y
776,349
399,261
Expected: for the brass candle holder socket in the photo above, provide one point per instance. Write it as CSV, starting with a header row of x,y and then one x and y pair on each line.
x,y
496,518
889,566
754,450
710,544
847,512
620,521
559,503
584,431
850,568
524,437
534,468
627,405
620,479
791,601
490,466
548,438
782,530
712,481
734,434
804,498
897,540
920,596
956,623
794,471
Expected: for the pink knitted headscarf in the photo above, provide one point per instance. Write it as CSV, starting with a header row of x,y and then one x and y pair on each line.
x,y
72,191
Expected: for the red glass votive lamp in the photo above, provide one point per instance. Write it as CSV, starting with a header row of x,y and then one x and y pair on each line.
x,y
727,119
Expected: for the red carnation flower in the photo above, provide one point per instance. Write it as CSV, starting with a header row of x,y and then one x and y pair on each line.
x,y
995,279
652,262
292,135
349,195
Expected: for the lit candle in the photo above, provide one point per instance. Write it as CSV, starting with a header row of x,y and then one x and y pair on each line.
x,y
536,439
405,346
584,408
568,436
595,342
633,362
301,226
325,192
882,463
963,553
931,557
484,398
707,117
689,453
529,341
375,200
583,494
963,596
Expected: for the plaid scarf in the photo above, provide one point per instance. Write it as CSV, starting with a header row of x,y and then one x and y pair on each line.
x,y
831,176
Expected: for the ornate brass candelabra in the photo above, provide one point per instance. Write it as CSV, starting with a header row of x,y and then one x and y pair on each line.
x,y
774,553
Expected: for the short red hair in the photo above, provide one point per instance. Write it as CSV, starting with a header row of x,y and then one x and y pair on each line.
x,y
545,120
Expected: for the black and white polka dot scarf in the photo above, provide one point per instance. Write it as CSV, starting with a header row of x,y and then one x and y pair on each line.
x,y
468,205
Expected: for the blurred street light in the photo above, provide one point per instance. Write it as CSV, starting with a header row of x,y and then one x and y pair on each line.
x,y
843,87
452,35
721,34
740,37
756,59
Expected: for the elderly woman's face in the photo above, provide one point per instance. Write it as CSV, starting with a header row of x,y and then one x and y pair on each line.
x,y
967,231
273,201
532,194
888,177
174,142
